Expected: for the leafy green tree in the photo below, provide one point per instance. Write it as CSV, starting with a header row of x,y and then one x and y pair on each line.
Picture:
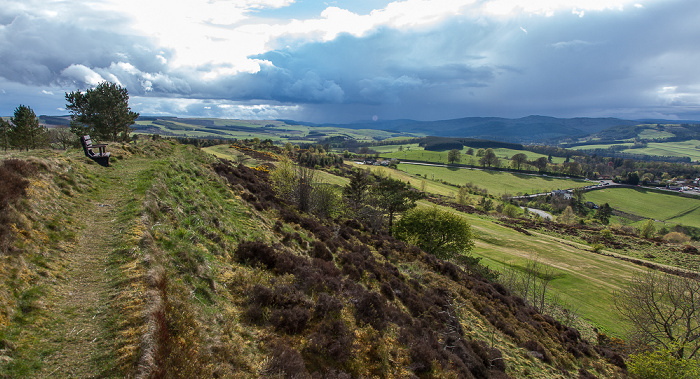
x,y
540,163
511,211
603,213
518,160
577,202
103,112
454,155
394,197
662,364
26,132
632,178
470,151
486,204
568,216
463,195
441,233
489,158
648,229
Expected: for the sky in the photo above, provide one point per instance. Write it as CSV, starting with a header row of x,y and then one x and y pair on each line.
x,y
352,60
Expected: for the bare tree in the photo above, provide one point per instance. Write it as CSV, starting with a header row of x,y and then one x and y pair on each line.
x,y
664,310
530,282
62,136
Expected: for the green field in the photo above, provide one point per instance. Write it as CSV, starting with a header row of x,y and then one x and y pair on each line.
x,y
413,152
690,149
496,182
667,208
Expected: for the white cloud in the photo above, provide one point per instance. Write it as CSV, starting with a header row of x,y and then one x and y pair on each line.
x,y
549,7
79,73
574,43
45,92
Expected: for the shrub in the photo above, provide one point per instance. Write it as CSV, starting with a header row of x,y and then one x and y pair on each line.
x,y
437,232
648,229
286,362
327,306
676,237
690,249
662,364
370,310
321,251
332,339
255,252
290,321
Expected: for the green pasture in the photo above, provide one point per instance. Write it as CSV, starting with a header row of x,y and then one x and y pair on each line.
x,y
496,182
601,146
654,134
413,152
689,149
668,208
431,186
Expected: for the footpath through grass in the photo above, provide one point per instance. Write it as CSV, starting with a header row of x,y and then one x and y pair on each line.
x,y
69,326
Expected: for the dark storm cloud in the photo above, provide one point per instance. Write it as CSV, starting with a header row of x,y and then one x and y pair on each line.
x,y
637,62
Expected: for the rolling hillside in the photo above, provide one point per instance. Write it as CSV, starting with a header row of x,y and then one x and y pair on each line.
x,y
171,263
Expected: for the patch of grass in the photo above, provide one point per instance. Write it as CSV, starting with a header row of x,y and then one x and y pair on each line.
x,y
417,153
667,208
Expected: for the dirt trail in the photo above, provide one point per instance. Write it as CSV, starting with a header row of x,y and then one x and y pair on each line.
x,y
80,344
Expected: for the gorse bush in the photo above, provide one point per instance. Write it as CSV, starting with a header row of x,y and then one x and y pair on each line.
x,y
676,237
662,364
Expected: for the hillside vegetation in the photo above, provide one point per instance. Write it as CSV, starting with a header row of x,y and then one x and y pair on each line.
x,y
172,263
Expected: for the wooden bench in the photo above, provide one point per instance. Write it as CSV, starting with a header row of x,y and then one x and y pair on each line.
x,y
101,157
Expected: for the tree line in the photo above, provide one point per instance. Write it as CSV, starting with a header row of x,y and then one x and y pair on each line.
x,y
102,112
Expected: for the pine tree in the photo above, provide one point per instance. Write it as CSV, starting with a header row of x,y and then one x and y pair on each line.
x,y
26,132
5,130
102,112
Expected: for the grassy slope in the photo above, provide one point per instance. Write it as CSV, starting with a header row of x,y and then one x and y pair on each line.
x,y
170,266
84,219
588,280
585,281
496,182
668,208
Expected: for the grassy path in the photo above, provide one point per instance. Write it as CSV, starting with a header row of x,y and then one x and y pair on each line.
x,y
81,346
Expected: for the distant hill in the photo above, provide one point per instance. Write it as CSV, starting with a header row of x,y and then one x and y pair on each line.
x,y
530,129
525,129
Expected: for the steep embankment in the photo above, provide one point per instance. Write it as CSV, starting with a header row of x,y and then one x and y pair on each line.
x,y
171,264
